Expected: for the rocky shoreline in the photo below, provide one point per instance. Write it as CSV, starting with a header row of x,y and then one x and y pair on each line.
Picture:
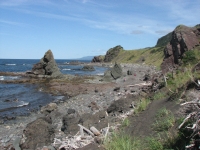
x,y
88,101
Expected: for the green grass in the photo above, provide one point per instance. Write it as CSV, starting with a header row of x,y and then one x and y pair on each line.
x,y
149,56
125,122
144,102
119,141
154,143
164,120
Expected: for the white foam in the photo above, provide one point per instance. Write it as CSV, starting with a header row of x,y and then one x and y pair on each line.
x,y
11,64
22,103
66,69
1,77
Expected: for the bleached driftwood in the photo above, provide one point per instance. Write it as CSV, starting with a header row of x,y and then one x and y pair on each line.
x,y
87,130
188,116
142,84
95,131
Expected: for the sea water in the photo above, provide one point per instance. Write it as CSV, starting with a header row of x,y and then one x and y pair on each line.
x,y
20,99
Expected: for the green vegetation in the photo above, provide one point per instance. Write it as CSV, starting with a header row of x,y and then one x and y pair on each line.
x,y
122,142
149,56
164,120
144,102
125,122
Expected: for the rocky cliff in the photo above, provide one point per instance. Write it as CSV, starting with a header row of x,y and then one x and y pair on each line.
x,y
110,55
47,66
183,39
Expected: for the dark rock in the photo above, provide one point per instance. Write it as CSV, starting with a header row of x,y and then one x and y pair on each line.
x,y
93,106
98,120
47,66
183,39
112,53
88,68
116,89
129,72
37,133
70,122
75,63
121,105
116,71
71,111
146,77
99,58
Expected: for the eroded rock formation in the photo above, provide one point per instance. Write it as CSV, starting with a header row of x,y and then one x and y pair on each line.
x,y
183,39
47,66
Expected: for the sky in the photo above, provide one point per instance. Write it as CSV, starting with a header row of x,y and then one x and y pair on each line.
x,y
77,28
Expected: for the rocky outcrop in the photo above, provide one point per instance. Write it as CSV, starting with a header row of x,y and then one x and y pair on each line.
x,y
47,66
112,53
38,134
99,58
183,39
88,68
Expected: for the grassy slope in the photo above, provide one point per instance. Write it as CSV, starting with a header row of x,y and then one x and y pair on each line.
x,y
151,56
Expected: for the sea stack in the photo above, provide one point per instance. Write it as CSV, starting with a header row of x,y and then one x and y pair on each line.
x,y
47,66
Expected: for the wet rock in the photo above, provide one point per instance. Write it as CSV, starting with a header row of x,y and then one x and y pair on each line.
x,y
70,122
37,133
88,68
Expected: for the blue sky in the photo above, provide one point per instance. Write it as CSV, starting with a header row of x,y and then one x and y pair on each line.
x,y
77,28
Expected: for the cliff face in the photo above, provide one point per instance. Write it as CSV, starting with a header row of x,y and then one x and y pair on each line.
x,y
183,39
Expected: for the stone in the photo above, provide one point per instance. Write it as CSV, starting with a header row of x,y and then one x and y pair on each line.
x,y
16,143
49,108
116,71
88,68
37,133
47,66
70,122
120,106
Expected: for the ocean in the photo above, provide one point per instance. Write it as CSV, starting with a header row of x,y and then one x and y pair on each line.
x,y
21,99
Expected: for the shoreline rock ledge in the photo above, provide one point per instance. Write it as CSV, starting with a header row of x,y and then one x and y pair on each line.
x,y
47,67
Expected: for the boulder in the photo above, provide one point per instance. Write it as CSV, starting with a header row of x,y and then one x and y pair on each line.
x,y
47,66
70,122
183,39
120,106
88,68
116,71
37,134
